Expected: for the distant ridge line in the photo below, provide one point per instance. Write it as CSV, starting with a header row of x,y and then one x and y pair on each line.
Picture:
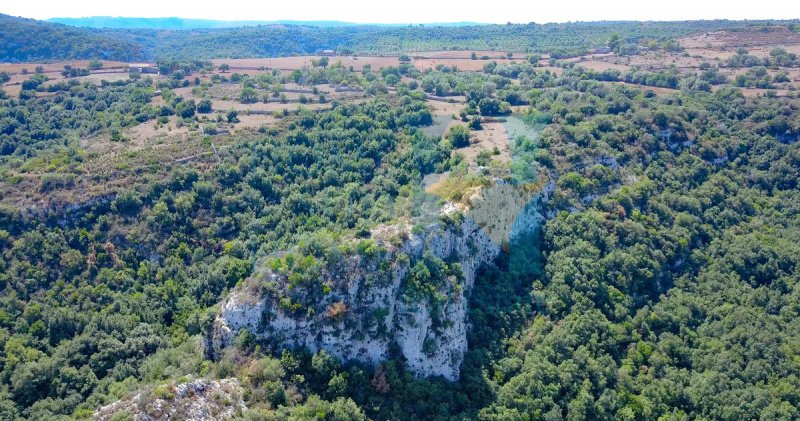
x,y
111,22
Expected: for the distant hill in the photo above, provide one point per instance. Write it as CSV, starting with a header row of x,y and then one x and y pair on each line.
x,y
31,40
559,40
182,23
177,38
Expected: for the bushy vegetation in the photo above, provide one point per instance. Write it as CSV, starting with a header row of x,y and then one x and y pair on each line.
x,y
673,294
32,40
777,57
663,285
30,125
144,270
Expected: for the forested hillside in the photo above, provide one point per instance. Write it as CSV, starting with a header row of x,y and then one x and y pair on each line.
x,y
31,40
25,39
674,295
664,283
265,41
658,277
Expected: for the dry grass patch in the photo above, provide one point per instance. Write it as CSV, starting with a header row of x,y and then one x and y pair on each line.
x,y
776,35
298,62
493,138
458,188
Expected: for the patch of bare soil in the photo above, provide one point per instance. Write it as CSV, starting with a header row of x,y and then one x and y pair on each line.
x,y
495,209
465,64
465,54
656,90
254,121
298,62
492,135
58,66
600,64
446,107
141,135
225,97
749,37
757,91
260,107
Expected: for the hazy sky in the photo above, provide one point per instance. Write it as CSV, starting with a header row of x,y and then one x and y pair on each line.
x,y
413,11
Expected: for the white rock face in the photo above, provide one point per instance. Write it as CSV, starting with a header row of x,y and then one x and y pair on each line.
x,y
430,336
194,400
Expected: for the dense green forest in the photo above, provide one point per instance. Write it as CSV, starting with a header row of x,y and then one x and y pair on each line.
x,y
28,40
662,285
675,295
336,171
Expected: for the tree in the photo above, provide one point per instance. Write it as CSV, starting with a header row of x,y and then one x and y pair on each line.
x,y
781,77
224,67
473,56
475,123
492,106
404,58
248,96
204,106
614,42
165,67
391,79
185,109
458,136
483,158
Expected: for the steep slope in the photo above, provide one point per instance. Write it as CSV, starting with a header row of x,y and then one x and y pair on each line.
x,y
405,294
407,287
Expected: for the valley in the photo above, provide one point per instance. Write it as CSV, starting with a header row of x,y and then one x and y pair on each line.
x,y
493,222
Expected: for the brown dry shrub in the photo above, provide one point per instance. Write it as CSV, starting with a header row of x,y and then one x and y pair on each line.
x,y
336,310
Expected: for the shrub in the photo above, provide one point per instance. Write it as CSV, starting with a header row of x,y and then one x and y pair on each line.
x,y
458,136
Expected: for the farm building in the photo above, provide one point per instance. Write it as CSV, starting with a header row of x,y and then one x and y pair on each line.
x,y
143,69
326,53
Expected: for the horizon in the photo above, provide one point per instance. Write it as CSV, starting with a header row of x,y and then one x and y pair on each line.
x,y
58,19
413,12
55,19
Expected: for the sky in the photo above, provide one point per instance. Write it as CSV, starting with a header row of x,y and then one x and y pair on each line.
x,y
413,11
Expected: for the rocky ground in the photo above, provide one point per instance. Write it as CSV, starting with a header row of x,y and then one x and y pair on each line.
x,y
192,400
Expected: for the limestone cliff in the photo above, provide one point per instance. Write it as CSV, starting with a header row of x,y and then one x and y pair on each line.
x,y
370,304
406,294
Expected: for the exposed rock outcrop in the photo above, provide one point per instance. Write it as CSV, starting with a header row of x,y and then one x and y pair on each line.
x,y
506,211
370,306
373,307
192,400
